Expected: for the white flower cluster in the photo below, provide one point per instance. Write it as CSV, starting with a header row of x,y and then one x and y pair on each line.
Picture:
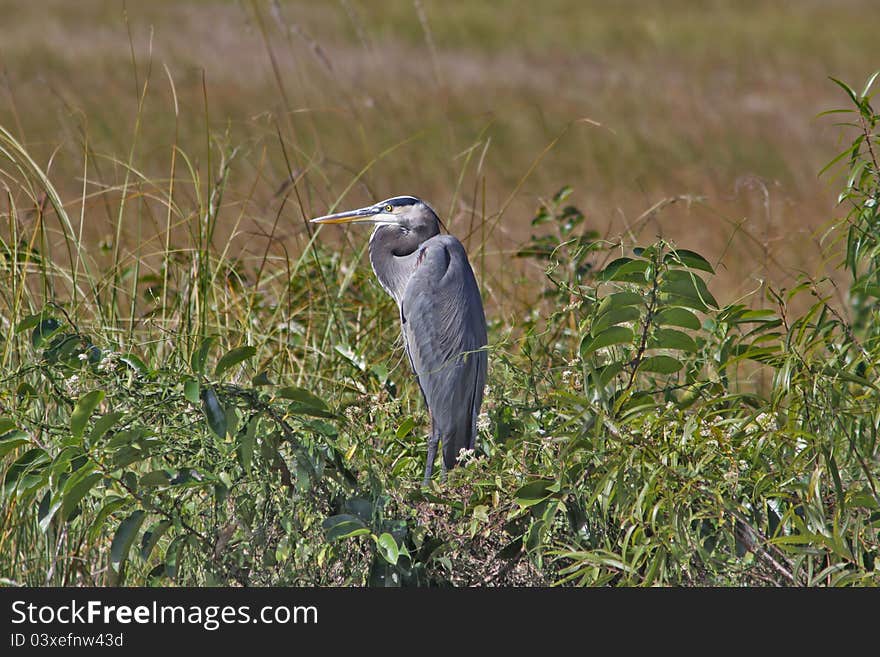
x,y
72,385
465,455
767,421
369,405
488,400
709,430
763,422
352,413
483,422
108,361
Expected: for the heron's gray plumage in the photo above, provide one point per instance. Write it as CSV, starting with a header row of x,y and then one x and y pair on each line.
x,y
445,333
441,315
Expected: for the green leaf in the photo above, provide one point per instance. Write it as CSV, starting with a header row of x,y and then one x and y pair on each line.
x,y
360,507
123,539
849,91
848,152
625,269
135,363
380,371
154,479
77,487
12,440
348,354
685,302
214,412
63,348
481,513
405,427
535,535
563,193
608,337
619,300
660,365
234,357
126,437
301,395
261,379
677,317
304,402
607,372
615,316
29,322
684,293
231,420
388,548
111,504
343,526
32,460
830,370
191,391
246,444
6,425
45,329
534,492
83,410
173,554
48,507
321,427
541,217
152,536
687,284
103,424
868,290
869,83
10,436
59,470
672,339
200,355
611,268
758,315
689,259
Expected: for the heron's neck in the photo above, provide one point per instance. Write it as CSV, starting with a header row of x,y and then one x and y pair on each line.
x,y
393,257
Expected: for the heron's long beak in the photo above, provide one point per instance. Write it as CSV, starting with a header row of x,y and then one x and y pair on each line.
x,y
361,215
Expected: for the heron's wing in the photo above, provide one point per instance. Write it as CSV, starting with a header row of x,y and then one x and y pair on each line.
x,y
444,328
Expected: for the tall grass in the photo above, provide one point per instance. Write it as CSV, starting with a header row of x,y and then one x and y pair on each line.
x,y
141,348
181,415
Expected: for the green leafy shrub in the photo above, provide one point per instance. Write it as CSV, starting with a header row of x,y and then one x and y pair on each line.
x,y
220,421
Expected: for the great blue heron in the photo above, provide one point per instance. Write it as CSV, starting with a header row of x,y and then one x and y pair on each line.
x,y
441,315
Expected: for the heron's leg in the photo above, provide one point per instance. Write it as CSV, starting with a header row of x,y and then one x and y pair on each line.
x,y
443,471
433,439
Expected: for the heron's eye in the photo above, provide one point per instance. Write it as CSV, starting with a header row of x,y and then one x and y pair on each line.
x,y
388,208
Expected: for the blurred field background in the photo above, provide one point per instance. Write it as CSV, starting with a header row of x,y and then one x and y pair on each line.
x,y
706,111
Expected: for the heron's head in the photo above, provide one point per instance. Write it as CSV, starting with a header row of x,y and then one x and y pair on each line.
x,y
408,213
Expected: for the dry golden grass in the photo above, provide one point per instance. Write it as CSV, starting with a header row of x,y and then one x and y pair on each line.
x,y
713,104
